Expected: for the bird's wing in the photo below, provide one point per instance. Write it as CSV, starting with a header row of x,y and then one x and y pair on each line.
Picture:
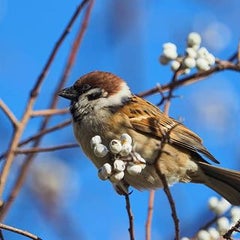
x,y
148,119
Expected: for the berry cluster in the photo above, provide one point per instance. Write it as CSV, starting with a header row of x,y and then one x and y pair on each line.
x,y
123,158
223,224
195,56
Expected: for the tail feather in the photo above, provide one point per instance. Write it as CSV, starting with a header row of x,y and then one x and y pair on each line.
x,y
224,181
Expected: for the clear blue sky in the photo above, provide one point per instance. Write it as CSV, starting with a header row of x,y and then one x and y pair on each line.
x,y
124,37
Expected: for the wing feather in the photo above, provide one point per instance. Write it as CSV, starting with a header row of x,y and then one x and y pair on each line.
x,y
148,119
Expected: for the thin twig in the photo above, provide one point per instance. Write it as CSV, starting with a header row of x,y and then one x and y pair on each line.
x,y
15,141
19,231
171,202
221,66
46,149
9,114
235,228
130,217
49,112
41,133
1,235
45,131
150,214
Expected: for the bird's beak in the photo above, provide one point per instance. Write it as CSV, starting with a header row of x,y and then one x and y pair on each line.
x,y
69,93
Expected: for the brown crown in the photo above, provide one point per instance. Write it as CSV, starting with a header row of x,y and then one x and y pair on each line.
x,y
104,80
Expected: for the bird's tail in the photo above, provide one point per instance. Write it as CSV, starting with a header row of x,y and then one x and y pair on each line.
x,y
224,181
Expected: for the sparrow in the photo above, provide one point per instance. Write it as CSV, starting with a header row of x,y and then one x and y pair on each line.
x,y
102,104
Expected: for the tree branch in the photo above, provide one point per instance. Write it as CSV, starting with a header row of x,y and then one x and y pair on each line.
x,y
130,217
49,112
221,66
27,114
19,231
46,149
9,114
150,214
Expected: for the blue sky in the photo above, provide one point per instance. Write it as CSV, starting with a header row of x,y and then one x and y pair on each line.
x,y
124,37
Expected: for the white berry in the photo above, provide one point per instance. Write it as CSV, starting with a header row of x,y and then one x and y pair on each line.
x,y
95,140
119,165
170,53
105,171
134,169
169,45
214,234
202,52
126,149
194,39
116,177
235,214
125,138
189,62
100,150
213,202
203,235
211,59
222,206
202,64
115,146
191,52
223,224
175,65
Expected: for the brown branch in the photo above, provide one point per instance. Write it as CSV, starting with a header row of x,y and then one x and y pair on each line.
x,y
19,231
49,112
15,141
221,66
130,217
235,228
9,114
171,202
39,134
150,214
46,149
44,132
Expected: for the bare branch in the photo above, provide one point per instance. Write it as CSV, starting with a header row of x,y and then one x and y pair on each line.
x,y
221,66
27,114
150,214
41,133
9,114
130,217
171,201
235,228
19,231
46,149
44,132
49,112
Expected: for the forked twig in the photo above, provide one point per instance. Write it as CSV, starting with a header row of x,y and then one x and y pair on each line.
x,y
9,114
235,228
26,116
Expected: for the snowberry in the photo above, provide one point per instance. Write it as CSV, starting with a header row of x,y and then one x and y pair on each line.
x,y
105,171
95,140
115,146
100,150
118,165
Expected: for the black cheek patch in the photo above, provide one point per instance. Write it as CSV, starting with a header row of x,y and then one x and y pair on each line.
x,y
95,95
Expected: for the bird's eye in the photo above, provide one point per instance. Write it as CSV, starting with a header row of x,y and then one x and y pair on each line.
x,y
85,87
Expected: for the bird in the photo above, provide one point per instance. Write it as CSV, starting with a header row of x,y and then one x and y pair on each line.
x,y
102,104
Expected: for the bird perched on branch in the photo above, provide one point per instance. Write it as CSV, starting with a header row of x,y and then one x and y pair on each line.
x,y
102,104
